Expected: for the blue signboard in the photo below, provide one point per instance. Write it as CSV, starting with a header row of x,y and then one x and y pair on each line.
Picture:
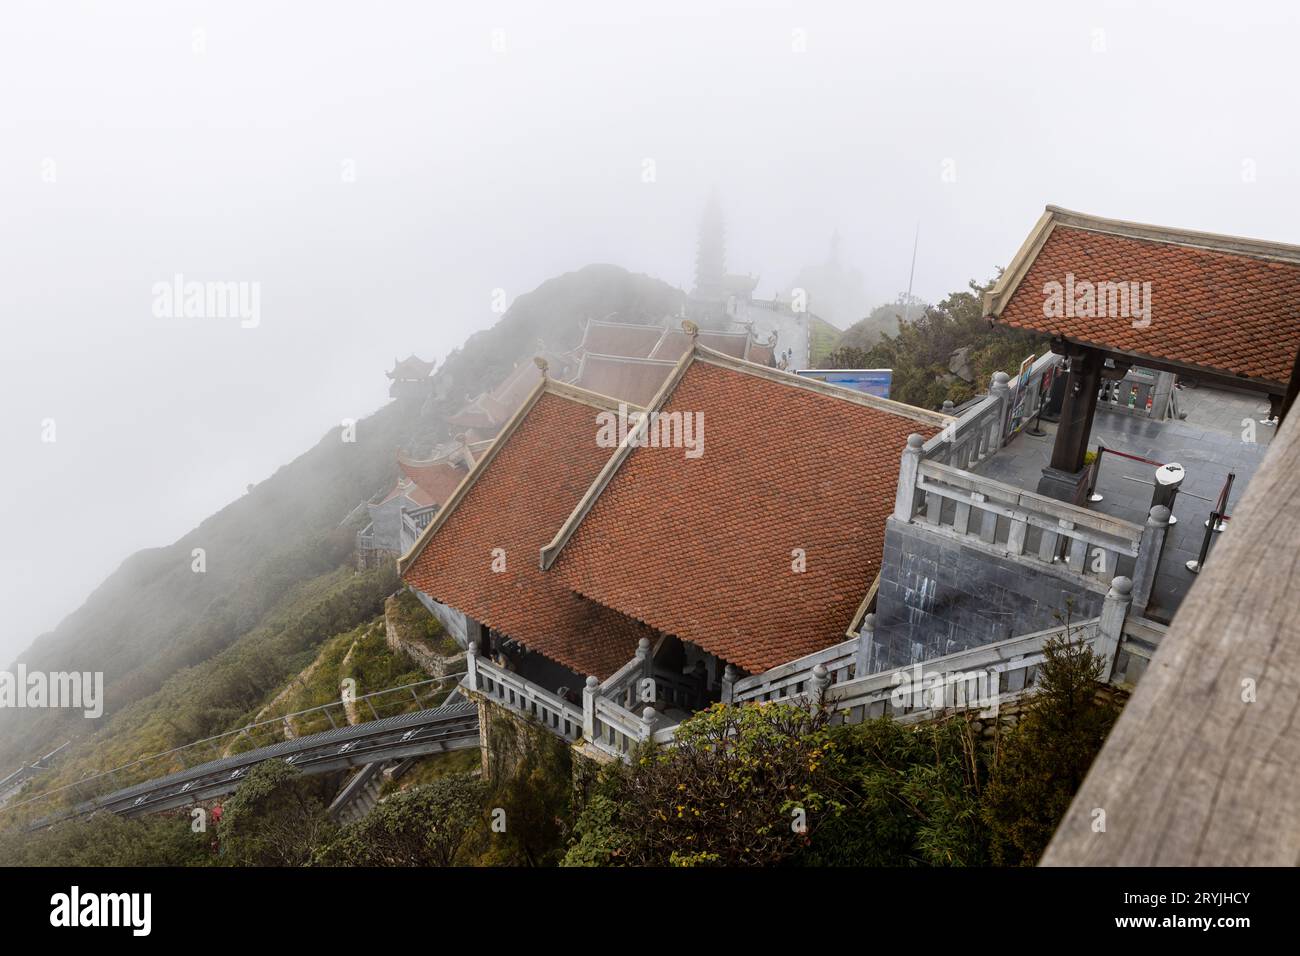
x,y
873,381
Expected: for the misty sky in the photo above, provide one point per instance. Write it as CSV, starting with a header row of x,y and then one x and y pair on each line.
x,y
495,145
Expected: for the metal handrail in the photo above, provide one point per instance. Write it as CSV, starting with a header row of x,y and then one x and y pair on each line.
x,y
229,733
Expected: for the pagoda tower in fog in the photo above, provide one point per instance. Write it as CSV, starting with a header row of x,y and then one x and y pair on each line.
x,y
711,254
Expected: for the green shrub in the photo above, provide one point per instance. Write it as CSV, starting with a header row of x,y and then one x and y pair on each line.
x,y
424,826
743,786
275,818
1040,764
109,840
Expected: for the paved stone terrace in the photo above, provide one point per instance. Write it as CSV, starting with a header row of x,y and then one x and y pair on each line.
x,y
1208,444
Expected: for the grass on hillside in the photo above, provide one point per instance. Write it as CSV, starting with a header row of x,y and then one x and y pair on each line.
x,y
226,691
415,623
825,339
435,767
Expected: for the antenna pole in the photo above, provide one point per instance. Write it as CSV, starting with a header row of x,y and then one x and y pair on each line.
x,y
907,306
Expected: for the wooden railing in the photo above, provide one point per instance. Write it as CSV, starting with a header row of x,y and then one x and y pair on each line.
x,y
1202,769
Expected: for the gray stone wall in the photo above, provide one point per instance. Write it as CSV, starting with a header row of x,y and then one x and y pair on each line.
x,y
453,622
387,521
432,663
939,595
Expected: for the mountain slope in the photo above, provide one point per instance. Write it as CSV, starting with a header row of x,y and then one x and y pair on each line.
x,y
155,616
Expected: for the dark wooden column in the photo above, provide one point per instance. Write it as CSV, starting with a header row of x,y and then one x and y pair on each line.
x,y
1077,410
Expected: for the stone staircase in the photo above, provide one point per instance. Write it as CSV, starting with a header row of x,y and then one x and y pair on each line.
x,y
360,794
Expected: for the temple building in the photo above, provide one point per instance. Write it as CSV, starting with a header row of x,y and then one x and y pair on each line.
x,y
410,378
399,515
568,562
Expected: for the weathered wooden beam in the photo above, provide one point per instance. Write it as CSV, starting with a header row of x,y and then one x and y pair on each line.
x,y
1203,766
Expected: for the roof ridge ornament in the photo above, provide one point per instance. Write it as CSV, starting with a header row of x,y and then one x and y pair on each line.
x,y
541,364
690,328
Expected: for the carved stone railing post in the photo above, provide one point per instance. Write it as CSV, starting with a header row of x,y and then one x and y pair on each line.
x,y
1110,625
1002,391
643,655
589,708
818,683
471,666
729,677
908,470
866,646
1148,560
649,717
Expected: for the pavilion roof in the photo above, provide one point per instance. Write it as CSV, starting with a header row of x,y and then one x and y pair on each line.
x,y
1218,304
410,368
436,479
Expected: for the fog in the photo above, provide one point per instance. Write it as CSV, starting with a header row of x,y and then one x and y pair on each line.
x,y
379,169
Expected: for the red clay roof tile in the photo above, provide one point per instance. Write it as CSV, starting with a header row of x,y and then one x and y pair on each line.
x,y
618,338
703,548
1215,310
626,379
524,493
435,480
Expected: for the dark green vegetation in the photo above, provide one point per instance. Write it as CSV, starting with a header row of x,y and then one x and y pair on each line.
x,y
279,617
276,817
226,691
772,784
769,784
108,840
273,552
415,623
919,351
429,825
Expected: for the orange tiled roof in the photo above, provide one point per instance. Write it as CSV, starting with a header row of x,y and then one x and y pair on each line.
x,y
677,342
1217,303
703,548
619,338
477,415
630,380
520,493
435,479
405,487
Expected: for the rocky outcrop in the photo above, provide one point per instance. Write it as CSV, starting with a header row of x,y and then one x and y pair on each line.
x,y
430,661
